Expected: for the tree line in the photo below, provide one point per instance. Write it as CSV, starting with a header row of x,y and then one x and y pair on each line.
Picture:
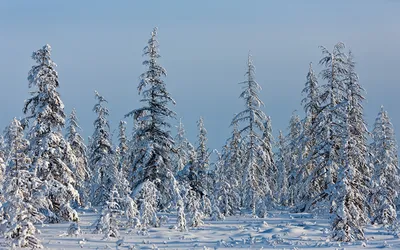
x,y
328,163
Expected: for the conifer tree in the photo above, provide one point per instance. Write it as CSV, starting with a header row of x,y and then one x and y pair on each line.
x,y
295,131
185,152
101,159
293,153
147,194
194,210
19,209
348,200
122,150
123,147
78,147
255,186
333,94
198,180
153,161
52,158
311,101
268,159
282,167
229,173
131,212
324,156
307,155
385,181
358,128
226,188
108,221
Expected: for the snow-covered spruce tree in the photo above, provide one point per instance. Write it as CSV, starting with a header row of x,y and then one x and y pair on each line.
x,y
293,151
255,181
348,199
307,161
333,95
197,178
153,159
122,145
318,186
385,181
185,152
108,221
358,127
268,157
18,210
223,199
229,173
52,158
226,192
122,150
311,101
121,159
131,213
194,209
196,173
101,159
136,148
282,167
82,171
202,150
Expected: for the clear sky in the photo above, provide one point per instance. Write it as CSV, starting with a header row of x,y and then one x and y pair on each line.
x,y
204,44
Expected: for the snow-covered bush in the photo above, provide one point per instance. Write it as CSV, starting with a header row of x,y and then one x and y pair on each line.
x,y
132,213
181,219
194,210
146,194
74,229
108,221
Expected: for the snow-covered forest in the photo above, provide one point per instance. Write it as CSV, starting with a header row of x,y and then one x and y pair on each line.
x,y
329,168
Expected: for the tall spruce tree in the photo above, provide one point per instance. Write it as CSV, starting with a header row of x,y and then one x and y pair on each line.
x,y
229,174
122,140
312,107
348,200
255,185
385,181
153,161
225,195
82,171
358,129
198,180
311,101
293,153
52,158
319,183
21,184
282,163
101,158
185,152
122,151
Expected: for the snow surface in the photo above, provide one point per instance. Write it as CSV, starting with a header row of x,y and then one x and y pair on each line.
x,y
280,230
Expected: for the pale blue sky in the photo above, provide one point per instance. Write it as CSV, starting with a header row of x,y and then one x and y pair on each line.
x,y
204,44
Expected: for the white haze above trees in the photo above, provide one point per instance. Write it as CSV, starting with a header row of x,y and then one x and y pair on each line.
x,y
324,165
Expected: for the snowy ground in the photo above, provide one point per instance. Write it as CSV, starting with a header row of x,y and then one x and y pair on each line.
x,y
281,230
